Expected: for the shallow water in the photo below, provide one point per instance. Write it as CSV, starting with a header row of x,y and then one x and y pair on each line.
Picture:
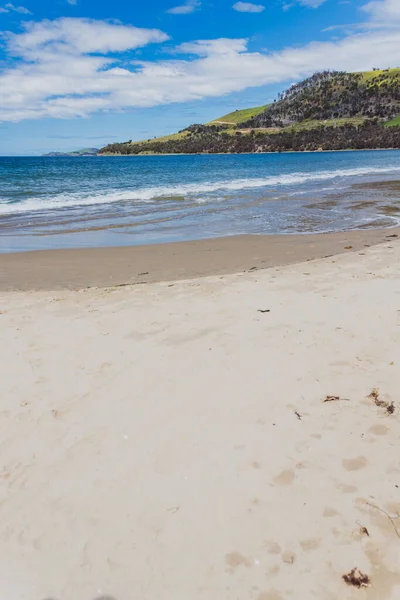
x,y
71,202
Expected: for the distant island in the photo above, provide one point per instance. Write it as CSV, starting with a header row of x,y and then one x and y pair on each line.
x,y
332,110
76,153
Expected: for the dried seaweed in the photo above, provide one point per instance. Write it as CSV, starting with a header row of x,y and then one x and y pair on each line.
x,y
356,578
389,406
374,395
364,531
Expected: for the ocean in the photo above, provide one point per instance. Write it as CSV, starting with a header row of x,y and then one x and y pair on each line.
x,y
118,201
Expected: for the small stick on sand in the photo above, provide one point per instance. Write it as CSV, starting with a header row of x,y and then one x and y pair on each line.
x,y
335,399
391,519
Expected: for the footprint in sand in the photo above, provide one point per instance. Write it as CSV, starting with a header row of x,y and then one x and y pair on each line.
x,y
354,464
379,429
311,544
234,560
330,512
274,548
288,557
285,478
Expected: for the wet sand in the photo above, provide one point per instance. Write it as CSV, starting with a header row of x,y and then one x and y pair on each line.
x,y
105,267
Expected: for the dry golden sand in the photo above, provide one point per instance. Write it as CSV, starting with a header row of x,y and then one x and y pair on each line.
x,y
170,441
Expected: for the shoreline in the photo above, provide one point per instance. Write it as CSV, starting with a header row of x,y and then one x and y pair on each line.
x,y
106,155
245,153
104,267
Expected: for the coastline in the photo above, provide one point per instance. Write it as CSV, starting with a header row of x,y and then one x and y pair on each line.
x,y
250,153
129,265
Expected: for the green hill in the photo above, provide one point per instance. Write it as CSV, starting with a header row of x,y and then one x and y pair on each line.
x,y
239,116
231,119
329,110
335,95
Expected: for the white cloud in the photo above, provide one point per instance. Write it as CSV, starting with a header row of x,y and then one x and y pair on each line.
x,y
221,47
384,13
307,3
248,7
68,36
12,8
185,9
73,2
71,67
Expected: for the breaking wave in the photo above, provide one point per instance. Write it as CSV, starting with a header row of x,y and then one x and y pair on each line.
x,y
196,192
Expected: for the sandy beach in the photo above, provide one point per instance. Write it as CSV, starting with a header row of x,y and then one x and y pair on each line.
x,y
171,440
77,268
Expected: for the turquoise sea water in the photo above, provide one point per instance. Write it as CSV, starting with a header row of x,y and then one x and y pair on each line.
x,y
101,201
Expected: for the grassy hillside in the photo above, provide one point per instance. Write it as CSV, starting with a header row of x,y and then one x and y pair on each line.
x,y
379,76
231,120
330,110
239,116
164,138
393,122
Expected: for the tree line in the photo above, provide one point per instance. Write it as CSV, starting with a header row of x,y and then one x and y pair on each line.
x,y
333,95
369,135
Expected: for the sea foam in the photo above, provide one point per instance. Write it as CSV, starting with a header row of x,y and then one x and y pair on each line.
x,y
191,191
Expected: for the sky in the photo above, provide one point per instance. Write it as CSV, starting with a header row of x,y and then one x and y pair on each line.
x,y
80,73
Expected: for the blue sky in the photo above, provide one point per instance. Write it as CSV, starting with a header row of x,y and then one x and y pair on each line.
x,y
77,73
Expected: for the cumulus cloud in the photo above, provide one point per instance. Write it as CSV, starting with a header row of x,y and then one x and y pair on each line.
x,y
12,8
384,13
248,7
69,36
72,67
185,9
